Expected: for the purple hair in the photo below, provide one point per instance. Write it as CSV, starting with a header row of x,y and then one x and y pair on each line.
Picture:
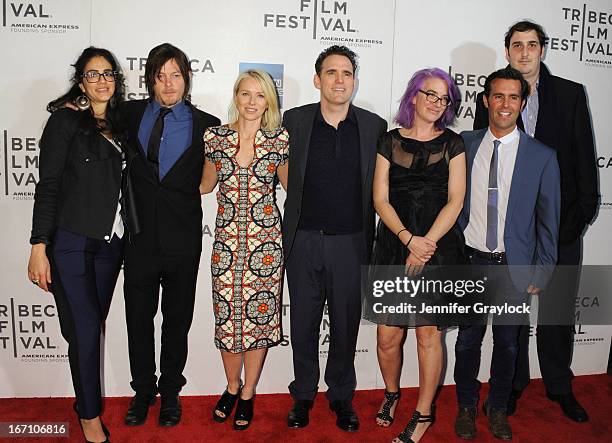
x,y
405,113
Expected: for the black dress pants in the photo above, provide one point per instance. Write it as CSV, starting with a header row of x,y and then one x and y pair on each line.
x,y
144,274
555,342
83,274
324,268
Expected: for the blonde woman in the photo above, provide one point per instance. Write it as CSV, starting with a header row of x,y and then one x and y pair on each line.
x,y
247,157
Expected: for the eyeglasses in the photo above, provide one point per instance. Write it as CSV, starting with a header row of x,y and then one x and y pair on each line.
x,y
94,76
431,97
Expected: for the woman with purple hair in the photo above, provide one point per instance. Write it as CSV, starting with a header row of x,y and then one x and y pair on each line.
x,y
419,185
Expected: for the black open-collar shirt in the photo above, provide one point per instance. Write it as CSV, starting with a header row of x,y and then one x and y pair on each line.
x,y
332,197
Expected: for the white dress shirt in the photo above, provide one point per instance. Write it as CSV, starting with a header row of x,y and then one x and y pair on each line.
x,y
476,230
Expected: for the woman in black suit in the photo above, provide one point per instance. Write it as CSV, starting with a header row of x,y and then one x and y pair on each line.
x,y
76,229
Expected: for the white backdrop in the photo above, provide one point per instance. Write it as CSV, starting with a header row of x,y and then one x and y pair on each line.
x,y
393,38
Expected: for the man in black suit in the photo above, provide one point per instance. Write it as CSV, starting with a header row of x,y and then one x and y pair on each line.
x,y
328,230
165,230
557,115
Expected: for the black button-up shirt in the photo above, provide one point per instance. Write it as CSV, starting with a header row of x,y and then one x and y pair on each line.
x,y
332,197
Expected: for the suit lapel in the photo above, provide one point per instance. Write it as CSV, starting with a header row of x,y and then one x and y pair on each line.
x,y
471,155
137,148
547,110
136,128
521,166
304,131
364,145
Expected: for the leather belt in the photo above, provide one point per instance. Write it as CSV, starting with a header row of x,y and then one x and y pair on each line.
x,y
495,257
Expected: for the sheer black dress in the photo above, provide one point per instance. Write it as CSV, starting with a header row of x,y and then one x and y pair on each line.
x,y
418,190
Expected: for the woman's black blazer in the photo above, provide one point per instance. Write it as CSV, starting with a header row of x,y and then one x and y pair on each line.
x,y
79,180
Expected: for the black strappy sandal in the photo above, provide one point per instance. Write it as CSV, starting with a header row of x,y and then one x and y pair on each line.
x,y
225,405
406,435
385,414
244,413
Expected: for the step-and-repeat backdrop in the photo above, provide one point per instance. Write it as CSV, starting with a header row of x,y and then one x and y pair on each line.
x,y
393,38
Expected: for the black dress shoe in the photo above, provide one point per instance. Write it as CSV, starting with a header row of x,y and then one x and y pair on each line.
x,y
465,423
346,418
570,406
170,410
139,407
498,422
298,415
512,401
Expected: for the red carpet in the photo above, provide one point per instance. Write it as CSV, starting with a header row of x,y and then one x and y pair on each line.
x,y
537,418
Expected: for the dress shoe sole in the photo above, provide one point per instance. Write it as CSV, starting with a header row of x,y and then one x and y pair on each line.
x,y
135,423
557,399
349,429
144,419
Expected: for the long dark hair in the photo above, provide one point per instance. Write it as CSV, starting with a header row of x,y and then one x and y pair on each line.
x,y
114,121
158,56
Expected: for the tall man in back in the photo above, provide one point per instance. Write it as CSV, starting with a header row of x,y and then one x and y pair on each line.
x,y
556,114
328,231
165,223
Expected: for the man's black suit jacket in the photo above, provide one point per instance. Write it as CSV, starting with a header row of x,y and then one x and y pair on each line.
x,y
564,124
299,122
165,216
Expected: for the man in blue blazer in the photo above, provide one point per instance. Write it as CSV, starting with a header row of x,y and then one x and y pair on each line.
x,y
510,217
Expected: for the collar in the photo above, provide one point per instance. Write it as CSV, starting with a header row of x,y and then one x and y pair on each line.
x,y
350,116
506,139
544,72
178,109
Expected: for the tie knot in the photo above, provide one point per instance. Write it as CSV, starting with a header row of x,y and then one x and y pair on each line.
x,y
163,112
496,144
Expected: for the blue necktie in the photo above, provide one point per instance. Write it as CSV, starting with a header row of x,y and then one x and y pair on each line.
x,y
492,200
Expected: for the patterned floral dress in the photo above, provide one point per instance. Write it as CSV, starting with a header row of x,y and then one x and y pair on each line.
x,y
247,255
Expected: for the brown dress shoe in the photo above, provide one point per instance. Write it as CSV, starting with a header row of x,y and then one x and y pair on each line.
x,y
498,422
465,423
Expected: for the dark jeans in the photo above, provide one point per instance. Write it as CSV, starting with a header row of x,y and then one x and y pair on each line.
x,y
324,268
83,273
505,350
555,342
144,275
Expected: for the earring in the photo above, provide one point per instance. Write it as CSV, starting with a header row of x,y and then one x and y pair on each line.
x,y
82,102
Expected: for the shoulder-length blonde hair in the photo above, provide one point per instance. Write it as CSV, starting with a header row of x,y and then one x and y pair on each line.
x,y
271,119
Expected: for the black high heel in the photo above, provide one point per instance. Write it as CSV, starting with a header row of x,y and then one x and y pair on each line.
x,y
244,412
225,405
385,414
104,428
406,435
